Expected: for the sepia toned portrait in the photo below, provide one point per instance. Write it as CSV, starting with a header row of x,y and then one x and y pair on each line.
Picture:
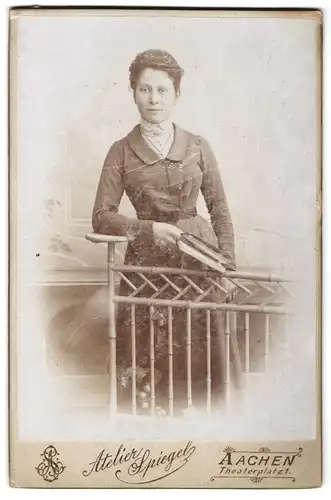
x,y
165,187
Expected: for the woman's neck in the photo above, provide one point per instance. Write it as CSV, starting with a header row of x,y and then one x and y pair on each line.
x,y
162,128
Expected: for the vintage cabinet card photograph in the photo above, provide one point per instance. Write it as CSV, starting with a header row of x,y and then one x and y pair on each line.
x,y
165,248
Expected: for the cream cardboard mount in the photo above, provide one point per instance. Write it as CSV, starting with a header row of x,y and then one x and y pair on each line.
x,y
220,384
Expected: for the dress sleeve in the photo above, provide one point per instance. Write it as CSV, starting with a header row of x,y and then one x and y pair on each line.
x,y
216,201
105,217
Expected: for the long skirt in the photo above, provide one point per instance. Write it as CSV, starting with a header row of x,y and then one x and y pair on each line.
x,y
181,365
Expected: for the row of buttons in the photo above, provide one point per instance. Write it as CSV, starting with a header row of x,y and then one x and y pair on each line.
x,y
175,166
172,164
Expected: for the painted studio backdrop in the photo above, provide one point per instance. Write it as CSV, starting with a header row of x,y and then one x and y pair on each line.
x,y
250,89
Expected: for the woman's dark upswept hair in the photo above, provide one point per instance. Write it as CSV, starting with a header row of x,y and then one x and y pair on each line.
x,y
155,59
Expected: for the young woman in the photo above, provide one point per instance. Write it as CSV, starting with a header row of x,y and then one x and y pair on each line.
x,y
162,168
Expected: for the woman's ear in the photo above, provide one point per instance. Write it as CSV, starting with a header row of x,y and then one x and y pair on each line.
x,y
178,94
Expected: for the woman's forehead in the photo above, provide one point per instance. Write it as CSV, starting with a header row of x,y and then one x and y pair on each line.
x,y
150,76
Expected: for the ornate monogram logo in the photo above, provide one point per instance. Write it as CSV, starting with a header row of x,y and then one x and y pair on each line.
x,y
50,467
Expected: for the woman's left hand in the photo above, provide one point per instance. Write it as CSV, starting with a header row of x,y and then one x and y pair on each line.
x,y
166,233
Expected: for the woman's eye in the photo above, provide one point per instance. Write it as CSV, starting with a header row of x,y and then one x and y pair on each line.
x,y
162,91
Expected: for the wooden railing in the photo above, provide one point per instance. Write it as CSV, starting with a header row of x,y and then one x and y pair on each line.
x,y
243,293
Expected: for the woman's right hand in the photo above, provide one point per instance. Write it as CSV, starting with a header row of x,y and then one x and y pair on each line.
x,y
166,233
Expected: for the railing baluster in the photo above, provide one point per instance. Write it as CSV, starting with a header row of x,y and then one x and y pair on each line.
x,y
112,329
189,357
183,292
227,359
134,361
139,289
171,373
266,340
175,287
193,285
152,358
247,344
205,293
160,291
127,281
208,380
143,277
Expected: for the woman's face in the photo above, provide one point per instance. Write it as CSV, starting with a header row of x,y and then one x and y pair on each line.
x,y
155,95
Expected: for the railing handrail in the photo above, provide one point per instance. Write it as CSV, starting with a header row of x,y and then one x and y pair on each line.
x,y
106,238
204,273
254,276
187,304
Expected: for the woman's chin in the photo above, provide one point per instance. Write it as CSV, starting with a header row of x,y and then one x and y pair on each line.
x,y
154,118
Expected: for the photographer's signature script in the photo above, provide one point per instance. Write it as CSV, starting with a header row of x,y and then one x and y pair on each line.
x,y
140,465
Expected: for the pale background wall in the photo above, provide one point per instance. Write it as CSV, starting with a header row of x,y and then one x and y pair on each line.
x,y
249,88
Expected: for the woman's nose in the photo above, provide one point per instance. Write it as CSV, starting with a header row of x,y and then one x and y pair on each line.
x,y
153,97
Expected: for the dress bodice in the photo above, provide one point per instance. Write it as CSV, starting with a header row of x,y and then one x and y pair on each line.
x,y
161,189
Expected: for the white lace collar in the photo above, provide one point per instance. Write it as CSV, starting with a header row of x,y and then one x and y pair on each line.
x,y
157,129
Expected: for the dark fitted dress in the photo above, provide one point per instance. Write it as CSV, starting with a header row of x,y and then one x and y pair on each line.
x,y
166,190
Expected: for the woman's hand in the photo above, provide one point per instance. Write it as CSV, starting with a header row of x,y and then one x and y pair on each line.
x,y
166,233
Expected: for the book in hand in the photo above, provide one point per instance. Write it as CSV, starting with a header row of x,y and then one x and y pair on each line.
x,y
202,251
